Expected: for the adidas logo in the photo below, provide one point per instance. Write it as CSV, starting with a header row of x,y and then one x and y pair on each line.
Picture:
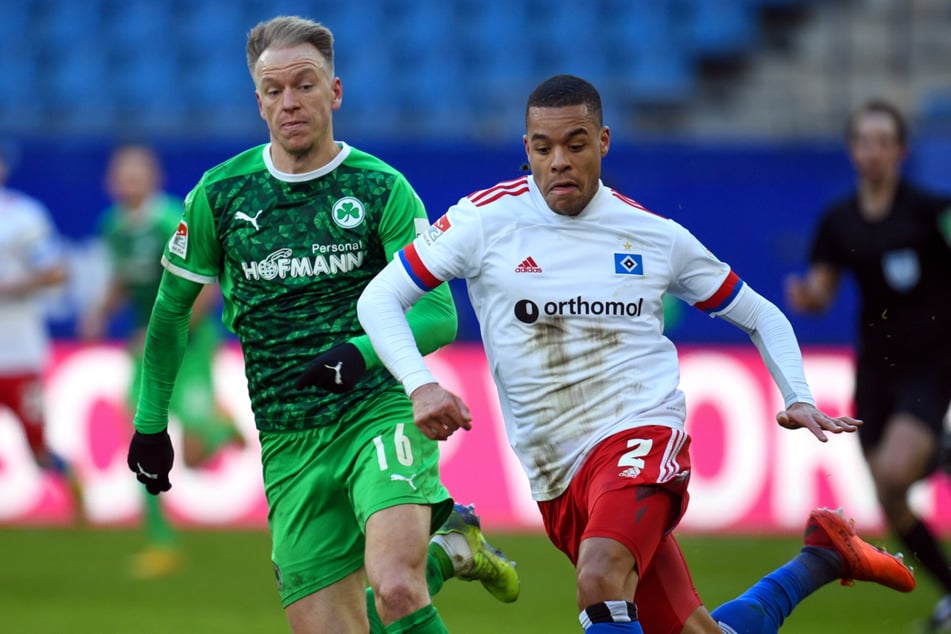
x,y
528,266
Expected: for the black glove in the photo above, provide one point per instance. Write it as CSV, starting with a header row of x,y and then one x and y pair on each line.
x,y
150,458
336,370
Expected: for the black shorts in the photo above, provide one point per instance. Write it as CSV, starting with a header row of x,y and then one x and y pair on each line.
x,y
921,389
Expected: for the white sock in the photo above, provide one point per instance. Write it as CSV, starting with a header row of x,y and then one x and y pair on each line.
x,y
457,547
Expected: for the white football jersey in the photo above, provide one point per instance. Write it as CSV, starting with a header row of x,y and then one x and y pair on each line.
x,y
571,314
27,243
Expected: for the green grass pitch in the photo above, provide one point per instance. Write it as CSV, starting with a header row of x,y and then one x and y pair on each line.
x,y
54,581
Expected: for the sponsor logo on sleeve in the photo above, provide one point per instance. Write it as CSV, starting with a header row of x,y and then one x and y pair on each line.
x,y
438,228
178,245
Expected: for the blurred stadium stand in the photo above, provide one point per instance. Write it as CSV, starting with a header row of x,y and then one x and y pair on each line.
x,y
457,69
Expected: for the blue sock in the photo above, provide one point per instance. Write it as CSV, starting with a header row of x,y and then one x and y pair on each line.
x,y
610,617
763,608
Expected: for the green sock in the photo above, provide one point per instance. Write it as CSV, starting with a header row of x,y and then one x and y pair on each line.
x,y
376,625
157,528
422,621
438,569
437,562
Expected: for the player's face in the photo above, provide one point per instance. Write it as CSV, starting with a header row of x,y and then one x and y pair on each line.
x,y
565,147
874,147
132,178
297,94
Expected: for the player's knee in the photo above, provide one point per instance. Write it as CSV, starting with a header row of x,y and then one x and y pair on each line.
x,y
600,581
398,595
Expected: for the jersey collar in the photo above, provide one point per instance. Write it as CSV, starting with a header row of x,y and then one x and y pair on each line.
x,y
306,176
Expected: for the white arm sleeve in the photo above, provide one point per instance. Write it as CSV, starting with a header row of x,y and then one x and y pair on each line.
x,y
773,336
382,312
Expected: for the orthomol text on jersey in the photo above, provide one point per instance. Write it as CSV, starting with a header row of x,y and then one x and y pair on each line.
x,y
325,259
528,311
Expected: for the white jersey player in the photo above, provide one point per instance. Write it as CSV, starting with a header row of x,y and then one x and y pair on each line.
x,y
567,279
31,261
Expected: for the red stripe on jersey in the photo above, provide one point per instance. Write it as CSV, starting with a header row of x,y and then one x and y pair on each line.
x,y
517,192
633,203
726,290
513,187
417,269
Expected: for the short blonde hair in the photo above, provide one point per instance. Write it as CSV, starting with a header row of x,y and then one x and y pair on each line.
x,y
287,31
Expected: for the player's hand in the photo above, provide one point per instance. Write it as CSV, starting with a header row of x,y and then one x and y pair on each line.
x,y
438,412
806,415
336,370
150,458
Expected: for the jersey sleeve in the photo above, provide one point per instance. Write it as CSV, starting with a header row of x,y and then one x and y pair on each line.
x,y
449,249
433,319
44,247
825,248
165,343
193,251
698,277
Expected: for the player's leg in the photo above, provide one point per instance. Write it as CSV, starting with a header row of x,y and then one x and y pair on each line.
x,y
22,393
613,517
670,599
396,563
461,551
397,494
332,609
831,551
905,452
317,544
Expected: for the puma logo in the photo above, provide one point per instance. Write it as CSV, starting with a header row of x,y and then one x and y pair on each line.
x,y
395,477
240,215
151,476
338,377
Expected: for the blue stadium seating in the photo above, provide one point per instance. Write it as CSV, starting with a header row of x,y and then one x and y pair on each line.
x,y
408,66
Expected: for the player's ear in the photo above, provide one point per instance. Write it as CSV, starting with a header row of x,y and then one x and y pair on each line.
x,y
338,94
257,97
605,139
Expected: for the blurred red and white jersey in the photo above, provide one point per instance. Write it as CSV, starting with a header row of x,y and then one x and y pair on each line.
x,y
28,243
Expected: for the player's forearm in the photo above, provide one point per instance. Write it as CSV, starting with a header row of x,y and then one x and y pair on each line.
x,y
39,280
432,320
165,344
773,336
382,312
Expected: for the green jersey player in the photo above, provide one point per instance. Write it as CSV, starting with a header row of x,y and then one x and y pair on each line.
x,y
293,230
135,229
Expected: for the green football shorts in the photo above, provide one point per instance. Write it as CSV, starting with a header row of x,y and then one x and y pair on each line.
x,y
322,484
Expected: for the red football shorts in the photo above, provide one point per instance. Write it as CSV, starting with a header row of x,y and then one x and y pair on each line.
x,y
632,488
23,394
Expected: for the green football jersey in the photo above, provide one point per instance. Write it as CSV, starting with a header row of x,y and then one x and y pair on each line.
x,y
135,245
292,253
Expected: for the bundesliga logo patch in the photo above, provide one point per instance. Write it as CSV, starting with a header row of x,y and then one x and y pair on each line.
x,y
179,242
628,264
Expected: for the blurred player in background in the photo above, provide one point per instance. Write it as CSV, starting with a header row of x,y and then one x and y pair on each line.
x,y
295,228
895,240
32,262
567,277
135,229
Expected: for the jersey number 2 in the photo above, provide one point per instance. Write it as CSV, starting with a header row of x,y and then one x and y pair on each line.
x,y
639,447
